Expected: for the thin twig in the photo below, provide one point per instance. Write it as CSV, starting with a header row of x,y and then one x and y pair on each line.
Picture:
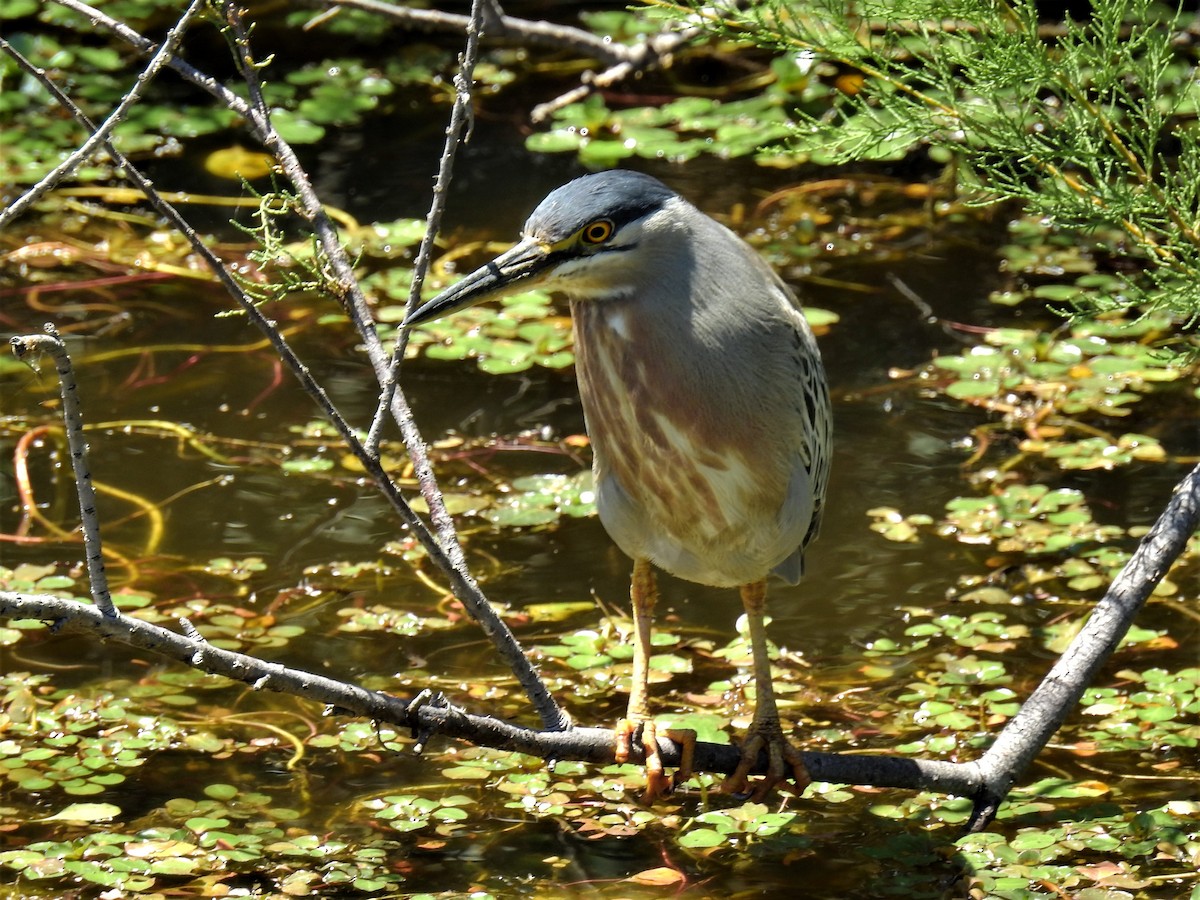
x,y
444,550
448,551
524,31
460,119
651,54
146,46
72,413
622,61
100,135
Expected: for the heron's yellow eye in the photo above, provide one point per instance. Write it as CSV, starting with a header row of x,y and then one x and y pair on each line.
x,y
597,232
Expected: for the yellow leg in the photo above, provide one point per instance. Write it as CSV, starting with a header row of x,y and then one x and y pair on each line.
x,y
643,595
765,730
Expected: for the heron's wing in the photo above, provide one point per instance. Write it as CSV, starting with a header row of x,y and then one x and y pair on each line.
x,y
799,520
791,569
800,516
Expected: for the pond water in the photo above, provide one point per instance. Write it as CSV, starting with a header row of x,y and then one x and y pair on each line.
x,y
894,447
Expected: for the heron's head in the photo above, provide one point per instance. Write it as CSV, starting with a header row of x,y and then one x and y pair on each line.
x,y
588,238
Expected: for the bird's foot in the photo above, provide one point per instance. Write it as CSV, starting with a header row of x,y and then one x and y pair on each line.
x,y
658,783
783,761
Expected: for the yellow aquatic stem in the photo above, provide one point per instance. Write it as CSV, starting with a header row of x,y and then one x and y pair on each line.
x,y
129,195
185,434
146,508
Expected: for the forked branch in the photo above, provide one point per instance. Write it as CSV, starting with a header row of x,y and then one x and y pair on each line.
x,y
443,548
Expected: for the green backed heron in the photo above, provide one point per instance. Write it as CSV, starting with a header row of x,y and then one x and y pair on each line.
x,y
706,404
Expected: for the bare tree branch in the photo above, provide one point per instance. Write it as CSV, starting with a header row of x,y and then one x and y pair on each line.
x,y
460,117
146,46
521,31
100,135
437,716
449,554
444,549
622,61
654,53
89,519
1054,699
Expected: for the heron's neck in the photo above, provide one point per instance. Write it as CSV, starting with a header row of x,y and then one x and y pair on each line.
x,y
612,327
620,348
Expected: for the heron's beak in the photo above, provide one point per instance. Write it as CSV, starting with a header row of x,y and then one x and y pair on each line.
x,y
523,263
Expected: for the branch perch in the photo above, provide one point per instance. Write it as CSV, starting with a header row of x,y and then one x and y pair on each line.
x,y
986,781
444,549
594,745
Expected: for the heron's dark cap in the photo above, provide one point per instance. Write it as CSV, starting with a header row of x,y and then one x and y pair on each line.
x,y
618,195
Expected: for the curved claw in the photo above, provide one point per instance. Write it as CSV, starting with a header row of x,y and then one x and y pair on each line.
x,y
658,783
783,762
623,744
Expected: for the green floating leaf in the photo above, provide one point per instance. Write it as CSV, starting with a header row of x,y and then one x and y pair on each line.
x,y
86,812
560,140
542,500
1098,371
967,390
1029,519
222,792
295,129
701,839
302,465
820,318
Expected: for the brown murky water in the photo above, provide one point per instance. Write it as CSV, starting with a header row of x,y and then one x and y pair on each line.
x,y
893,448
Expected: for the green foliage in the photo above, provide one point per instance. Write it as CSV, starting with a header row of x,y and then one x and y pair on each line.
x,y
1078,854
36,134
677,131
78,744
1084,372
1029,519
334,93
380,619
306,101
410,812
1162,713
225,623
733,828
1074,123
1062,552
283,268
596,651
519,332
542,499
